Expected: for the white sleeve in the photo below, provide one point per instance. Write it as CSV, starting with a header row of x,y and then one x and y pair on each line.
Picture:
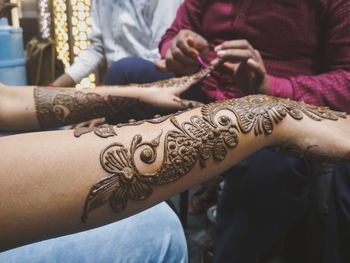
x,y
89,60
164,16
158,19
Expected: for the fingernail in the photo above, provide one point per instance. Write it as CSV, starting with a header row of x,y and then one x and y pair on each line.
x,y
217,48
221,52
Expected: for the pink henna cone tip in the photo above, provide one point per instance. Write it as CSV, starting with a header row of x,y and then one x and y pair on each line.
x,y
200,60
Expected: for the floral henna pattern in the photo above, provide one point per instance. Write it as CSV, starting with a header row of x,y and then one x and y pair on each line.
x,y
210,135
125,181
58,107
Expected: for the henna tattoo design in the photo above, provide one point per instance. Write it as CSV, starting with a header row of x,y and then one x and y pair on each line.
x,y
103,131
156,120
180,82
58,107
194,141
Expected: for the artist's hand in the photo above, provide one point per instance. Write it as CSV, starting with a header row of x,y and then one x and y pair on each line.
x,y
5,7
246,65
181,56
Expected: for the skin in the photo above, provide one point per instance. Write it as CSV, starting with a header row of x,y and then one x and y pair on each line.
x,y
181,56
90,177
34,108
236,57
75,168
247,68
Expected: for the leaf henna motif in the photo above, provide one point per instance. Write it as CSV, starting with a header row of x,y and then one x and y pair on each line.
x,y
192,142
103,131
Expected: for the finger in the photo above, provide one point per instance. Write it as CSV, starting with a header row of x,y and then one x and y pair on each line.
x,y
217,62
187,47
81,125
257,55
200,44
97,122
161,65
181,57
234,44
231,67
235,54
175,66
258,68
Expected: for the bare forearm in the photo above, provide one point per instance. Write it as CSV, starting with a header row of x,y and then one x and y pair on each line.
x,y
34,108
110,173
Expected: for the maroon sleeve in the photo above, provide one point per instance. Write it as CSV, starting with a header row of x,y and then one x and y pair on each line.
x,y
189,16
332,88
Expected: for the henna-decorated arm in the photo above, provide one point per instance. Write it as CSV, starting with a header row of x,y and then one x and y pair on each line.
x,y
33,108
60,182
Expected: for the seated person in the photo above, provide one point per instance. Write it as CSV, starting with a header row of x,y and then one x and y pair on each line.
x,y
135,31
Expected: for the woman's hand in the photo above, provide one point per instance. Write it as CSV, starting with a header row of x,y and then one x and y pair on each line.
x,y
246,65
166,94
181,56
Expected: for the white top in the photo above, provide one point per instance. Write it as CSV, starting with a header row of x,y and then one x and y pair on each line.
x,y
122,28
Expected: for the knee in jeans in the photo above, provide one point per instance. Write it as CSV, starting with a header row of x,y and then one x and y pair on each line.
x,y
124,71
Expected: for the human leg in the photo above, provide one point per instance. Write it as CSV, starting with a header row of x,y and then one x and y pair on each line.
x,y
154,235
134,70
337,234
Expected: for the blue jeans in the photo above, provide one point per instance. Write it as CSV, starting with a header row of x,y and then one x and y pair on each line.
x,y
154,235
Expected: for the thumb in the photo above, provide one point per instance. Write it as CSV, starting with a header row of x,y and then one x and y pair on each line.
x,y
161,65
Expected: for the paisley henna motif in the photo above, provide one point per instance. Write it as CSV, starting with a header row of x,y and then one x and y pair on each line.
x,y
195,141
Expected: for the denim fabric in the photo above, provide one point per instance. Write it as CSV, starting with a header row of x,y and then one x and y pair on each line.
x,y
152,236
262,196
